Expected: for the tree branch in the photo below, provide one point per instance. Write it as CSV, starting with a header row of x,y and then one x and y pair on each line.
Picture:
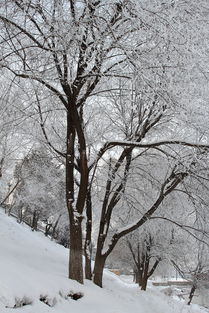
x,y
167,187
44,130
39,45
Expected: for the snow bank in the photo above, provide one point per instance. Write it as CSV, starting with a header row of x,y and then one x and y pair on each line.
x,y
33,279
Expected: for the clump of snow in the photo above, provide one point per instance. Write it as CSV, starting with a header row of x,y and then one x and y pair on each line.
x,y
33,279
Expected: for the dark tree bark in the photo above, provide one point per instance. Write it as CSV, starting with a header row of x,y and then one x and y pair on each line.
x,y
138,275
35,219
99,268
88,243
75,259
191,295
75,210
147,273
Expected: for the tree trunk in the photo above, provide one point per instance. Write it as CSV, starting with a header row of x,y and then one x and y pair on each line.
x,y
35,219
191,295
144,283
88,243
139,274
138,277
75,259
88,271
98,269
145,272
75,208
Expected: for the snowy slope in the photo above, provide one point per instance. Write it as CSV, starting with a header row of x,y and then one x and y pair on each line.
x,y
33,267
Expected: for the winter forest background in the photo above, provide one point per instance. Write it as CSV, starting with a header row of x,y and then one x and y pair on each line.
x,y
104,135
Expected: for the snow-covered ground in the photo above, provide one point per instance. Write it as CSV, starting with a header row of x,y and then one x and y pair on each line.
x,y
32,268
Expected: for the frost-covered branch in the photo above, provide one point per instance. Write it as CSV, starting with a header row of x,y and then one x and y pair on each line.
x,y
167,187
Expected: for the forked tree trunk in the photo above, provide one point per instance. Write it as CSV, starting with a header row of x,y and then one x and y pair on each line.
x,y
47,229
141,278
142,262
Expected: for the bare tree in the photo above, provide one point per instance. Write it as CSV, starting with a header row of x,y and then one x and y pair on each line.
x,y
142,256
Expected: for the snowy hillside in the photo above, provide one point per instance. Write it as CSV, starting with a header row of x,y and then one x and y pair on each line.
x,y
33,272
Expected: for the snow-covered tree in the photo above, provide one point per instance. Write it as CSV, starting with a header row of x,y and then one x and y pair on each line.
x,y
122,61
40,192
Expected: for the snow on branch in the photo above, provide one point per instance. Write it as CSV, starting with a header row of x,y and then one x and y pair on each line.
x,y
167,187
154,144
134,144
